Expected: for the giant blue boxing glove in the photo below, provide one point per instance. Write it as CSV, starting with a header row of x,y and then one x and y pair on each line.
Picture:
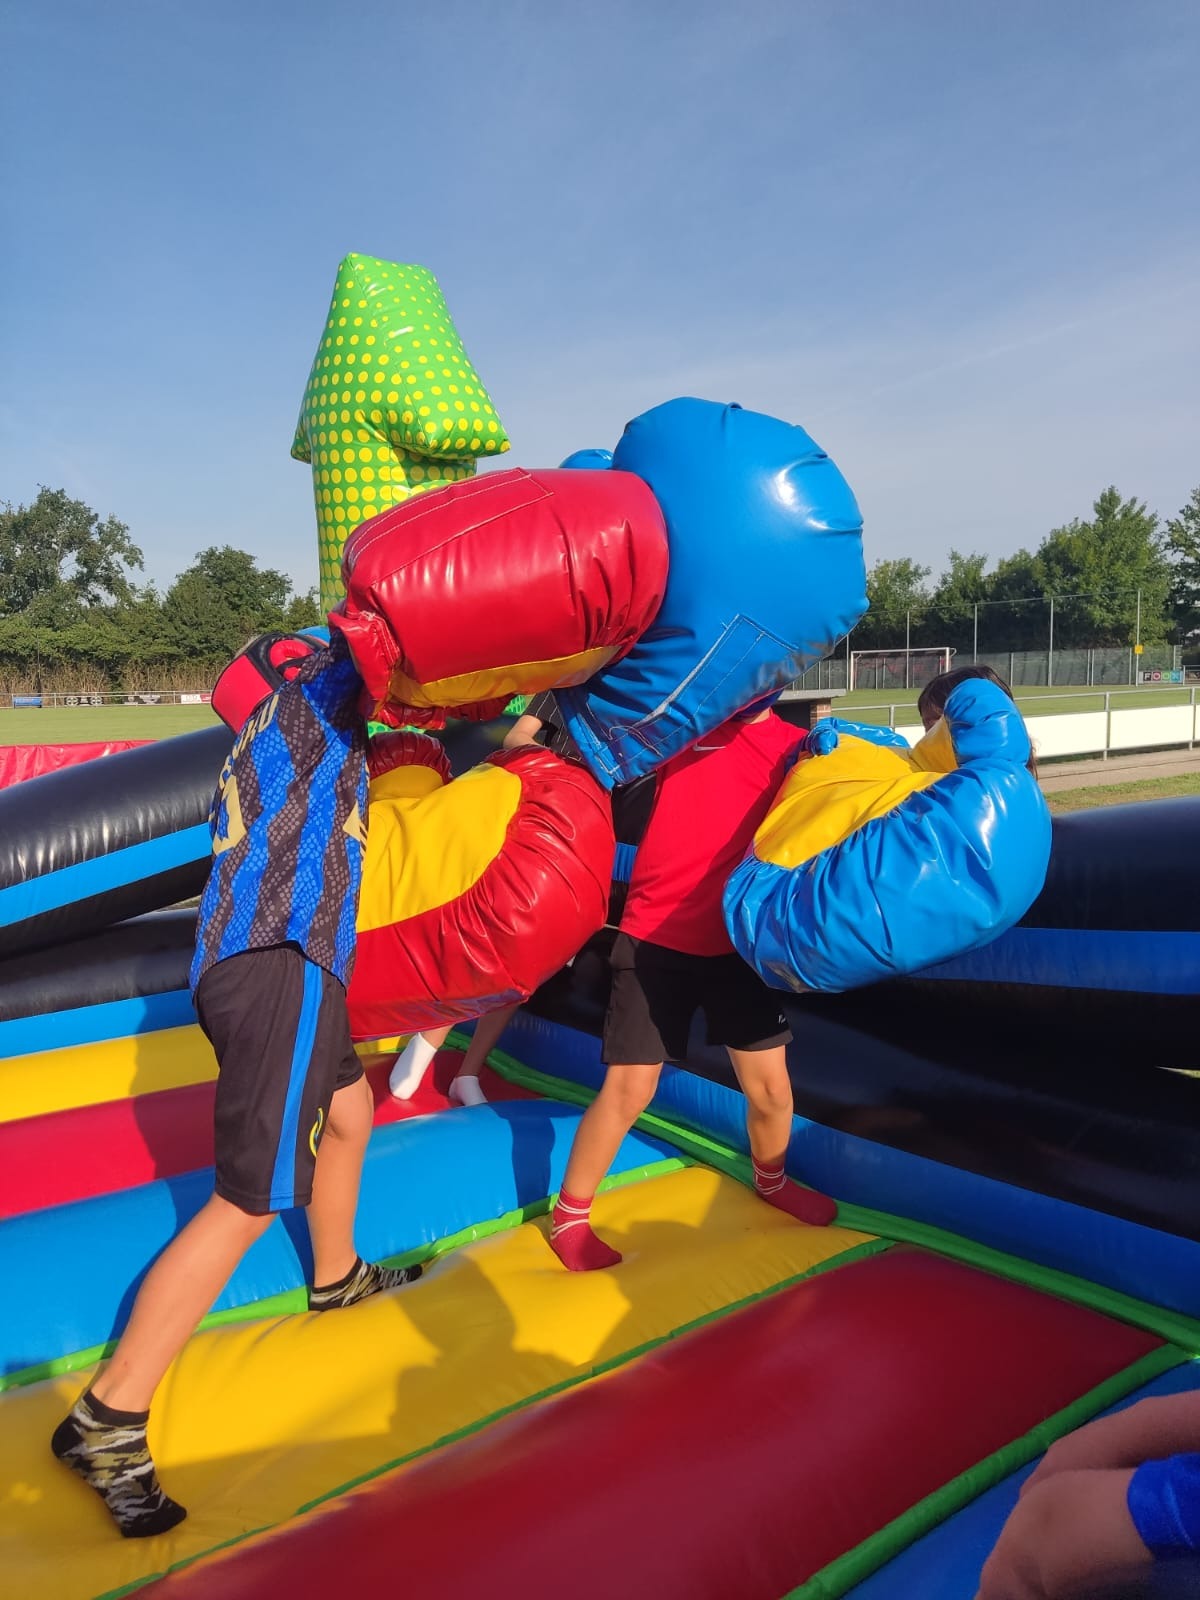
x,y
876,861
766,573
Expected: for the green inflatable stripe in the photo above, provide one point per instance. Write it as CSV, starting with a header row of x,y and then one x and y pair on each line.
x,y
854,1253
1173,1326
293,1301
874,1552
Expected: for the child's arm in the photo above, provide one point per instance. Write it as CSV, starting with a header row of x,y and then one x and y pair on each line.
x,y
1073,1530
1165,1425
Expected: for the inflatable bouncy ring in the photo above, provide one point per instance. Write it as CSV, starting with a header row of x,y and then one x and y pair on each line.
x,y
767,1410
1017,1209
393,405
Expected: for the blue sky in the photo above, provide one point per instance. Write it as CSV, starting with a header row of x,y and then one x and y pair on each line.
x,y
957,242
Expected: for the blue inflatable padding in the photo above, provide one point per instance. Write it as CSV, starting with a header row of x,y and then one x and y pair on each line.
x,y
79,881
115,1019
766,573
1147,1263
589,460
503,1157
1083,958
944,872
872,732
947,1561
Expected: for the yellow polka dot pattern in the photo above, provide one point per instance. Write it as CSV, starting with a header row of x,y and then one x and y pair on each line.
x,y
393,405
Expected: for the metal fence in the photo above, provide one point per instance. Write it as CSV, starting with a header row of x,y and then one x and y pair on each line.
x,y
1099,668
154,697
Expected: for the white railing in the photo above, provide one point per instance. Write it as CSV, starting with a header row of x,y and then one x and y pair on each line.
x,y
1111,730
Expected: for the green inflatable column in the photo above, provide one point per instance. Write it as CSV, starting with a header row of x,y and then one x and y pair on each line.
x,y
393,405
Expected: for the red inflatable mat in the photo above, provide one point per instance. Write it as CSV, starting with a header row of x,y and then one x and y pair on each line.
x,y
90,1150
738,1460
19,762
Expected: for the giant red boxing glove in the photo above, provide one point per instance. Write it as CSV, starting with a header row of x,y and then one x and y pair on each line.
x,y
475,891
401,747
505,584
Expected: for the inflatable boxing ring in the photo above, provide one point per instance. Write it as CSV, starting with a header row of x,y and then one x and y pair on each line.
x,y
763,1409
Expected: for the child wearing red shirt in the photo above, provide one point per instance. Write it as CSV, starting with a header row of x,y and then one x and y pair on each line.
x,y
673,957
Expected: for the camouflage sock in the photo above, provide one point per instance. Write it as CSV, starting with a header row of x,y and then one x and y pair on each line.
x,y
108,1450
363,1279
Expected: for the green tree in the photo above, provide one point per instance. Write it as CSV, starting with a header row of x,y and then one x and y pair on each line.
x,y
1183,543
304,611
1018,616
1096,569
899,602
58,557
952,606
223,599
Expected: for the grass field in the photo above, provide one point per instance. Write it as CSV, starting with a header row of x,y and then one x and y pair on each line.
x,y
1112,794
82,724
85,724
869,705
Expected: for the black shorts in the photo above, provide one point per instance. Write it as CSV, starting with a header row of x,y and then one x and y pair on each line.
x,y
279,1027
656,992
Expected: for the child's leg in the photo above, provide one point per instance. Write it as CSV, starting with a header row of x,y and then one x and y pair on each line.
x,y
177,1292
103,1438
465,1086
650,1004
336,1180
624,1095
763,1076
340,1276
413,1062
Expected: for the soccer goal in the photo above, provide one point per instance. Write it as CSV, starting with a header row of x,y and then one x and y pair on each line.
x,y
886,670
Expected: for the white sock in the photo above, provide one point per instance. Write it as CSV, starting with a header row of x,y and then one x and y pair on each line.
x,y
411,1064
467,1091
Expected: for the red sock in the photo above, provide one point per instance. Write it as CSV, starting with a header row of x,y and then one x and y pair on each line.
x,y
572,1239
806,1205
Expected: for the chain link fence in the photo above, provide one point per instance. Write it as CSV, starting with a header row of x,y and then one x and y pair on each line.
x,y
1110,667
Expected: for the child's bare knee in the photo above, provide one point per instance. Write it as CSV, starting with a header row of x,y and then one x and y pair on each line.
x,y
772,1095
631,1091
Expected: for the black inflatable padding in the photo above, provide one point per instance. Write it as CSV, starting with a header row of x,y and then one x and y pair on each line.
x,y
148,955
1133,867
113,804
975,1086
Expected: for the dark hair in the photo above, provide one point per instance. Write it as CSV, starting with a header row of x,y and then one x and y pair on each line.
x,y
931,702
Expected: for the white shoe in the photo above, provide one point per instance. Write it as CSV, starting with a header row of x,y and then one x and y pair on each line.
x,y
467,1091
411,1066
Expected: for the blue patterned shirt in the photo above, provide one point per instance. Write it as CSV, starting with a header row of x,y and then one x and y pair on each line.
x,y
289,824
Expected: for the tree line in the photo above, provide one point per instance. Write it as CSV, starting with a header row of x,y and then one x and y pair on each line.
x,y
74,618
1119,577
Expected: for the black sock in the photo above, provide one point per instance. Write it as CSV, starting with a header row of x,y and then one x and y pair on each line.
x,y
107,1448
363,1279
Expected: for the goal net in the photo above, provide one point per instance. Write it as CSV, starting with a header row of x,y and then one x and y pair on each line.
x,y
885,670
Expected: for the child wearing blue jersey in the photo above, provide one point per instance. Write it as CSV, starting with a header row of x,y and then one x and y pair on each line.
x,y
274,952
